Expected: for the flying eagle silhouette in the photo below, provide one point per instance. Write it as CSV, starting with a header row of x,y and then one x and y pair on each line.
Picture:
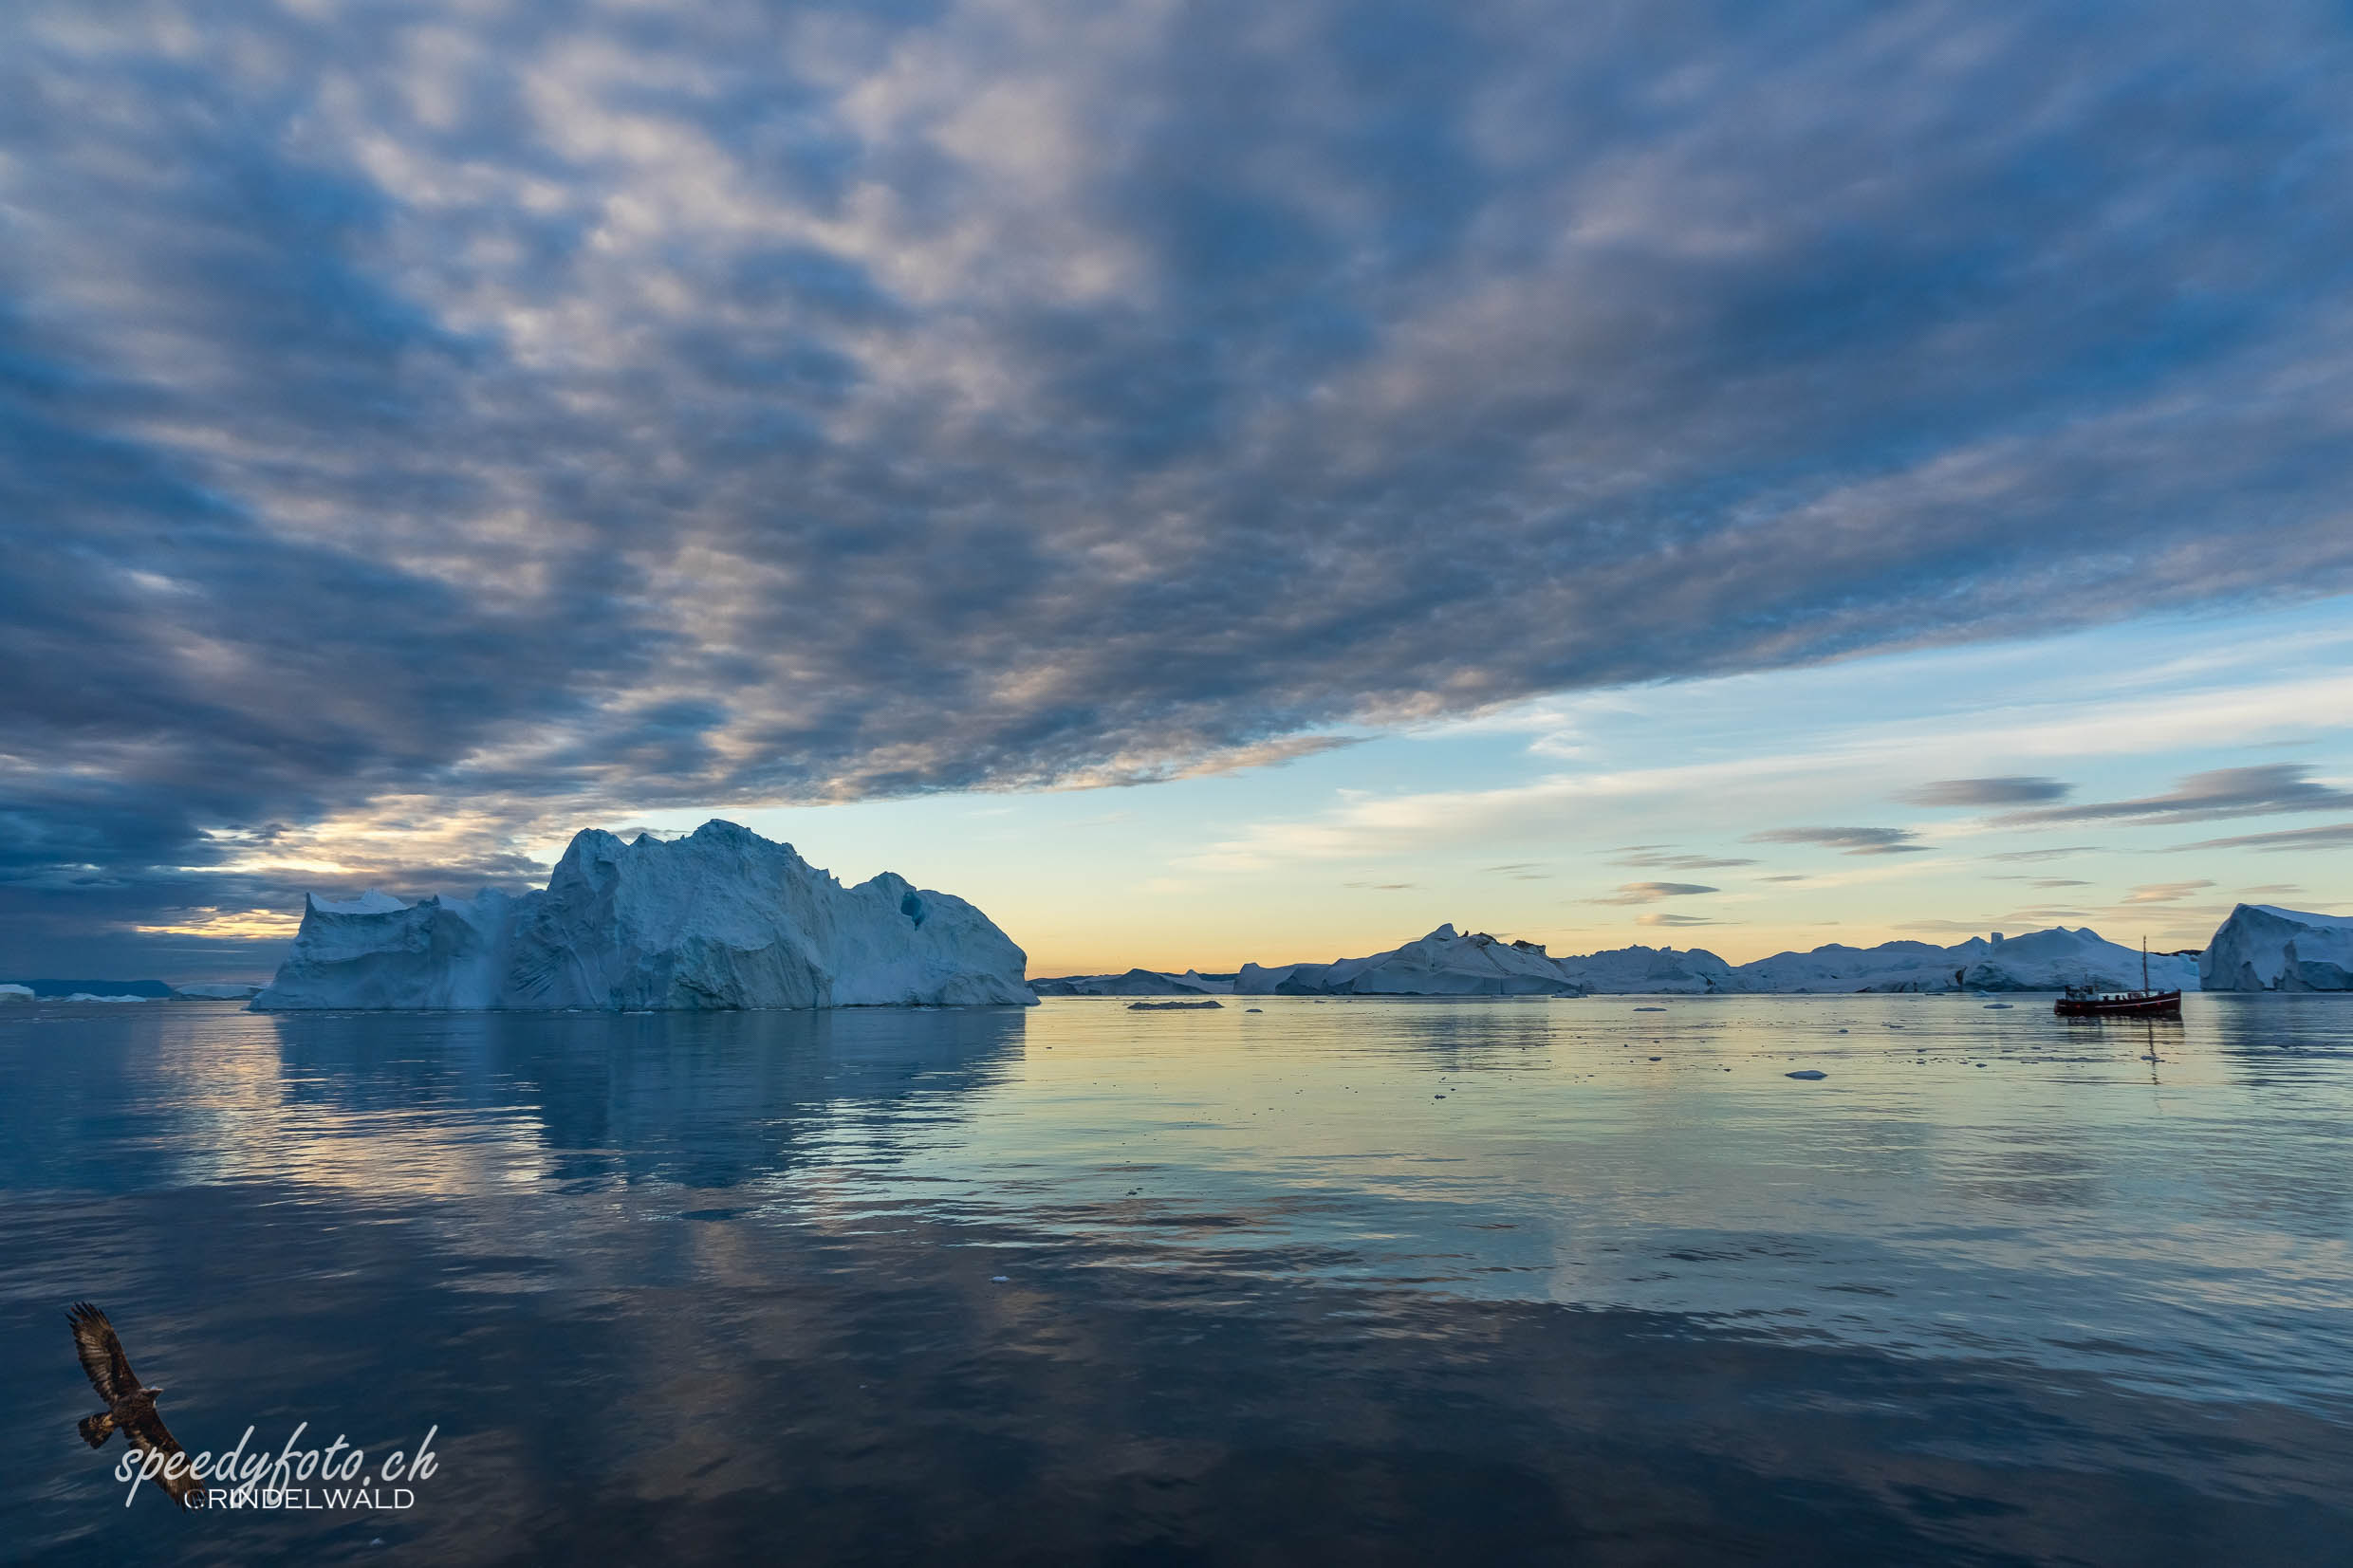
x,y
130,1405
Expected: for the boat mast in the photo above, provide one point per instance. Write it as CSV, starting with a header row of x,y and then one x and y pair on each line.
x,y
2144,961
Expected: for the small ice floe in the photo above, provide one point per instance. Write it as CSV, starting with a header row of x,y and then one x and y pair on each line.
x,y
1810,1073
1658,1058
998,1278
1997,1007
1842,1031
1253,1009
1650,1009
1891,1025
1170,1006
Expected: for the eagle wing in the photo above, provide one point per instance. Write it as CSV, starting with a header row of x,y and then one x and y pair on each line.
x,y
101,1352
147,1433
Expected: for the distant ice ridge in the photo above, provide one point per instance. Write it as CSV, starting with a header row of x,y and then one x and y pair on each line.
x,y
2038,961
1448,962
1135,982
2261,947
721,918
1445,962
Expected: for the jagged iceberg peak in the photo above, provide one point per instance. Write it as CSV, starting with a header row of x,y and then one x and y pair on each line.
x,y
719,918
2263,948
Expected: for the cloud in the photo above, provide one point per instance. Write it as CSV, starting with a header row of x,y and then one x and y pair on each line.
x,y
2058,853
2010,789
2205,796
2327,836
559,413
2165,893
1650,893
1660,919
1679,863
1852,841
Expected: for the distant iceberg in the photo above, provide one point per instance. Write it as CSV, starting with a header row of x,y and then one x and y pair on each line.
x,y
15,993
1135,983
1447,963
721,918
2261,947
2038,961
223,990
1651,972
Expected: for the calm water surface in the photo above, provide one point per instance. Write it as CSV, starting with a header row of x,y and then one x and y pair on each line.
x,y
1485,1282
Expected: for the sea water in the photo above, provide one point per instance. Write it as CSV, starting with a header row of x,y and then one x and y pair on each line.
x,y
1291,1281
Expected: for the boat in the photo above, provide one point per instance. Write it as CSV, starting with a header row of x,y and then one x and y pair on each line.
x,y
2091,1002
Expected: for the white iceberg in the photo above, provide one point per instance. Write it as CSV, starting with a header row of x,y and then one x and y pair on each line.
x,y
1445,962
1135,982
1650,971
15,993
721,918
2040,961
2262,947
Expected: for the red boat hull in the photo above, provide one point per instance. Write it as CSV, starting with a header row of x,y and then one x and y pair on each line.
x,y
2131,1004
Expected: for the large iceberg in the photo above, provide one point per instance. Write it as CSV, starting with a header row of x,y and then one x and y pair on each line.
x,y
721,918
2261,947
1447,963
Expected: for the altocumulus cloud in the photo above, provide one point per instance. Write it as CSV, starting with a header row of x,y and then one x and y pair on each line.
x,y
1650,893
1847,840
566,411
2010,789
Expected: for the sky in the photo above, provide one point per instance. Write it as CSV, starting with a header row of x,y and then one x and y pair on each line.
x,y
1205,482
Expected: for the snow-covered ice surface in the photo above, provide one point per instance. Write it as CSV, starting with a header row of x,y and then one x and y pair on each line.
x,y
2262,948
721,918
1446,962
